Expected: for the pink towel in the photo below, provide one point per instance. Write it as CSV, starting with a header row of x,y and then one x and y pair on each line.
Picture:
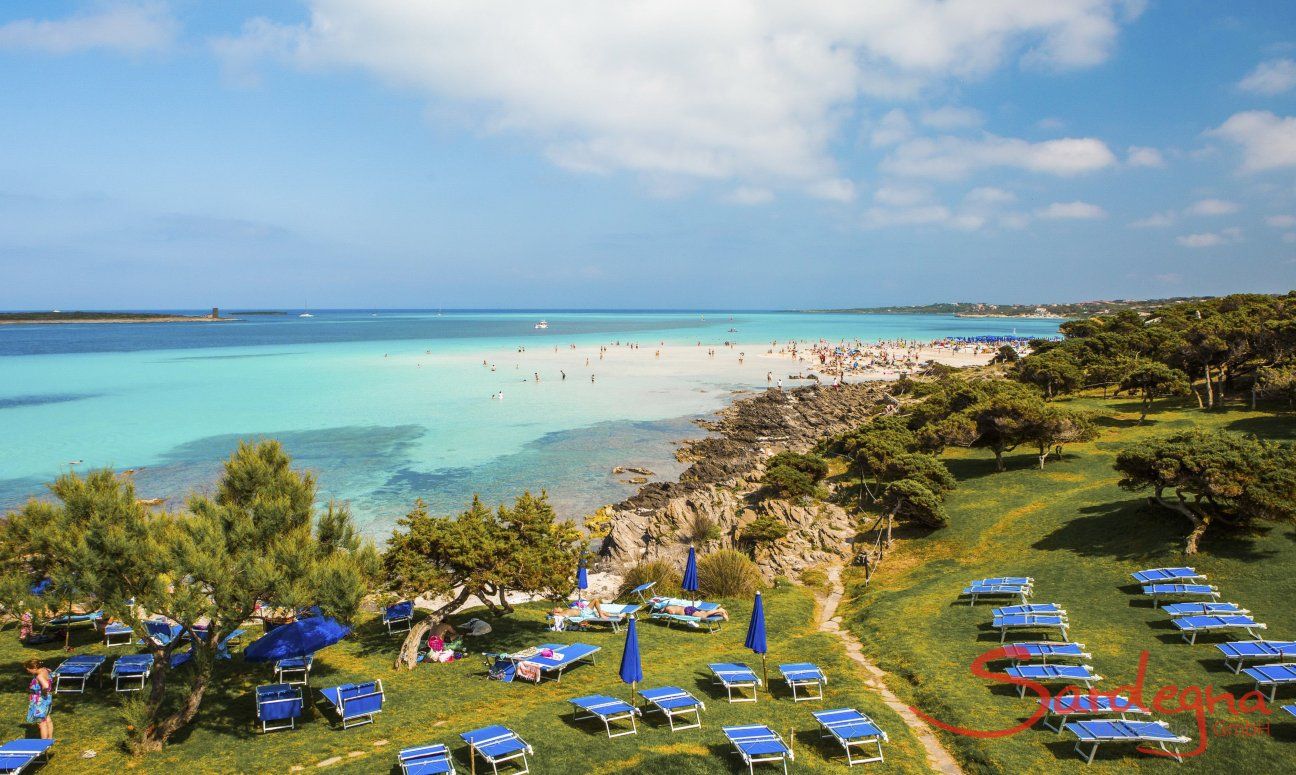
x,y
529,671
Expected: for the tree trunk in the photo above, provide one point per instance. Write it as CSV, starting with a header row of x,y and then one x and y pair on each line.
x,y
408,655
159,731
1253,395
1043,454
1199,522
1199,529
1210,389
1147,406
999,464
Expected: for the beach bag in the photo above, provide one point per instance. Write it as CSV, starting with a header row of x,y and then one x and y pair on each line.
x,y
476,627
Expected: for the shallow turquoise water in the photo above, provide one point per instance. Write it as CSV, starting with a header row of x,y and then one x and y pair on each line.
x,y
388,406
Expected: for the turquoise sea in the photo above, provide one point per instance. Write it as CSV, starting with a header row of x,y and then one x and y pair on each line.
x,y
387,406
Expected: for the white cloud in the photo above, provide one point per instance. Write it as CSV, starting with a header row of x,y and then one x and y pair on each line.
x,y
1139,156
1156,220
132,28
1212,207
1281,221
877,217
743,90
892,128
989,195
901,196
1205,240
1211,239
1267,141
1077,211
750,195
951,158
833,189
1050,123
950,117
1269,78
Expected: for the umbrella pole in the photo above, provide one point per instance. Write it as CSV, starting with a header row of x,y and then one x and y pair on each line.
x,y
765,674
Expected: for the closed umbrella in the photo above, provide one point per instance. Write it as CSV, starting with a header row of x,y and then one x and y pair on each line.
x,y
296,639
631,669
582,579
690,583
756,636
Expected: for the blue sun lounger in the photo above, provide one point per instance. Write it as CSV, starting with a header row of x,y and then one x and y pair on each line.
x,y
76,671
1290,709
736,676
705,617
1272,676
398,617
431,759
118,634
1078,707
70,621
1044,651
804,675
1203,609
131,668
294,670
1238,652
672,701
1191,626
504,667
278,706
1054,674
496,745
850,728
1033,608
640,590
17,755
1019,581
355,704
615,616
161,632
606,709
1158,591
1032,622
1168,575
758,744
1095,733
976,591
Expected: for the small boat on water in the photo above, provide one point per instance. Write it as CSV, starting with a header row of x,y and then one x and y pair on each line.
x,y
733,330
542,324
307,313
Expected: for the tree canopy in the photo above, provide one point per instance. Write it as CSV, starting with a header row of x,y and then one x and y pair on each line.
x,y
254,543
1215,479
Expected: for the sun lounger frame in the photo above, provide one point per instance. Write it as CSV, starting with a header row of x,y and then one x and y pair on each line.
x,y
659,703
340,698
1053,674
1032,623
412,759
276,697
804,675
1274,651
116,630
1272,676
17,755
283,671
1089,706
733,675
1094,740
1168,575
95,663
1158,591
1190,632
399,620
758,733
606,709
505,735
835,722
131,667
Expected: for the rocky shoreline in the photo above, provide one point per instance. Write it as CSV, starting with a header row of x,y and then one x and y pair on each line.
x,y
717,494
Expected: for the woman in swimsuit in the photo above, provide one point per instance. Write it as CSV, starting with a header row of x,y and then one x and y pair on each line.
x,y
40,698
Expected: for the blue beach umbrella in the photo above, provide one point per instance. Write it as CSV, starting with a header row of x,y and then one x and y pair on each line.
x,y
296,639
756,635
690,583
631,669
582,578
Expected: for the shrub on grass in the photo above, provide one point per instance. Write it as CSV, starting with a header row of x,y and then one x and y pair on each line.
x,y
728,573
814,578
666,575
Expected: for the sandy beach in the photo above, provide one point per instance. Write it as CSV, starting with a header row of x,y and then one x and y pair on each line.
x,y
741,364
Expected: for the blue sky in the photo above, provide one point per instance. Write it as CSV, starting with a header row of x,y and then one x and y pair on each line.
x,y
355,153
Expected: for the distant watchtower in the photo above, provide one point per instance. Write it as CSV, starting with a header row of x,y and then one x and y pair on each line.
x,y
215,312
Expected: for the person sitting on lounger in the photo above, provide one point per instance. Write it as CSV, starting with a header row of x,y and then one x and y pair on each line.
x,y
688,610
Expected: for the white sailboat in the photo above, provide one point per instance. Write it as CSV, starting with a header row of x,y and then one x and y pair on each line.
x,y
307,313
542,324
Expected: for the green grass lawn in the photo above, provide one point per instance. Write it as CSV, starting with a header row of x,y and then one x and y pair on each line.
x,y
1079,536
437,702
